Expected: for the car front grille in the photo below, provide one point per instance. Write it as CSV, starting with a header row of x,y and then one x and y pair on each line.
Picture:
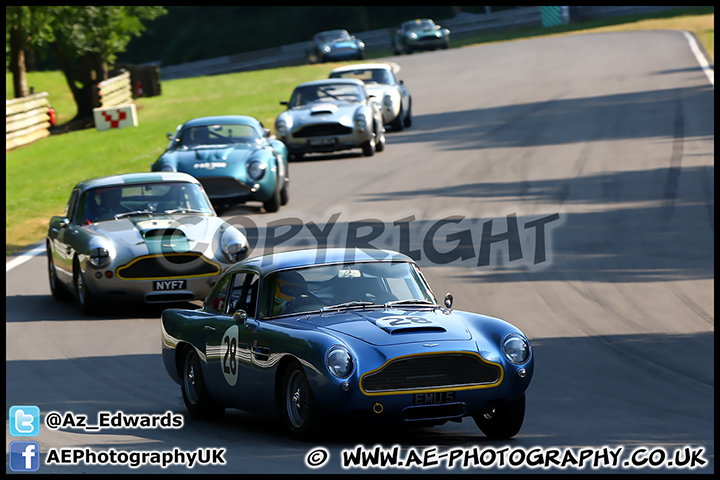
x,y
431,371
321,130
168,265
343,51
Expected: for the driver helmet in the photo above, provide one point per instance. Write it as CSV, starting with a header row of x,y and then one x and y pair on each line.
x,y
289,286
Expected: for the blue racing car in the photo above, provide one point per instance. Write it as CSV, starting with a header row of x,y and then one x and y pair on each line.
x,y
312,335
233,156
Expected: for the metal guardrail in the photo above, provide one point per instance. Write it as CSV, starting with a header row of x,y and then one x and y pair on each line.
x,y
464,25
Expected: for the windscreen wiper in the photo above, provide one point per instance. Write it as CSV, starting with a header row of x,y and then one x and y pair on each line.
x,y
134,212
411,301
353,304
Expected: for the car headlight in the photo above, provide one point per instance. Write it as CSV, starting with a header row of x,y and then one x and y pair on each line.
x,y
326,48
361,122
256,170
339,361
282,128
234,244
413,36
99,257
516,348
166,167
388,100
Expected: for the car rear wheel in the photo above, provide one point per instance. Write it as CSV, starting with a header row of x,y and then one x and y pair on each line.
x,y
56,289
503,422
195,395
297,405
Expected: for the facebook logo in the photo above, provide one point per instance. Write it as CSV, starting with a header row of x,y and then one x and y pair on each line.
x,y
24,456
24,421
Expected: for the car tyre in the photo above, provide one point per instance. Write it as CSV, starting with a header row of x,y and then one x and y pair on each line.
x,y
398,122
194,391
84,298
58,291
408,118
503,422
272,205
380,140
298,408
368,147
284,195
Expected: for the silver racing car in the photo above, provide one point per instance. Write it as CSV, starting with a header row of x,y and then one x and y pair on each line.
x,y
329,116
139,237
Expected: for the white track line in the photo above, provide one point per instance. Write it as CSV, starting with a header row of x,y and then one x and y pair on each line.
x,y
709,71
23,257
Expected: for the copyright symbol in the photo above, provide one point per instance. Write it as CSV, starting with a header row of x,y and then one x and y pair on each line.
x,y
317,458
53,420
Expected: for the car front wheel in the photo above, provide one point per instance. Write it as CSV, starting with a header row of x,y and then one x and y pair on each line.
x,y
297,404
503,422
56,289
84,298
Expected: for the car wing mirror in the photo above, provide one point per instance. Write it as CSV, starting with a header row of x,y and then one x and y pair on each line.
x,y
448,300
240,317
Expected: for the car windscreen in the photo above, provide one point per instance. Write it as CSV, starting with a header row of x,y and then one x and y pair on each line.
x,y
222,134
108,203
370,75
341,92
320,287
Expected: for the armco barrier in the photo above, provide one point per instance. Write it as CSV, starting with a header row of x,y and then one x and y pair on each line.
x,y
464,25
26,120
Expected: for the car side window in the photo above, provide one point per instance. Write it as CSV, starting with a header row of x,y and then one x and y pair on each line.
x,y
217,301
72,205
243,294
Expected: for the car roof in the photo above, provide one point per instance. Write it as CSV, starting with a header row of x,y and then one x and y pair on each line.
x,y
222,120
418,20
314,256
363,66
136,178
332,81
338,30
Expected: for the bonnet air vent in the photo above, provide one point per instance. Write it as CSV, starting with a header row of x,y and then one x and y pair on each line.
x,y
164,233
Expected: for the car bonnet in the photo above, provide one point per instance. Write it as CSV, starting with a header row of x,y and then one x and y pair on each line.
x,y
220,153
179,233
383,327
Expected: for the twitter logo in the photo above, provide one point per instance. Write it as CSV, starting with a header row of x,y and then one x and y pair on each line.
x,y
24,421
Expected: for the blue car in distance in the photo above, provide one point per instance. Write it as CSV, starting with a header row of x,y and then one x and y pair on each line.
x,y
234,158
311,336
334,46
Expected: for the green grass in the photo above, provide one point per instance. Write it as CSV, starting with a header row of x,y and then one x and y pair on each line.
x,y
39,176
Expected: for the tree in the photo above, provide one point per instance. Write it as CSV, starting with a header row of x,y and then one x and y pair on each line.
x,y
25,28
84,39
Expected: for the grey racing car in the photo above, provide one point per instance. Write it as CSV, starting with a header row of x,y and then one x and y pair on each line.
x,y
331,115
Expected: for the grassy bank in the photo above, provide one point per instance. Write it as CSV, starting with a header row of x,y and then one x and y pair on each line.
x,y
39,176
